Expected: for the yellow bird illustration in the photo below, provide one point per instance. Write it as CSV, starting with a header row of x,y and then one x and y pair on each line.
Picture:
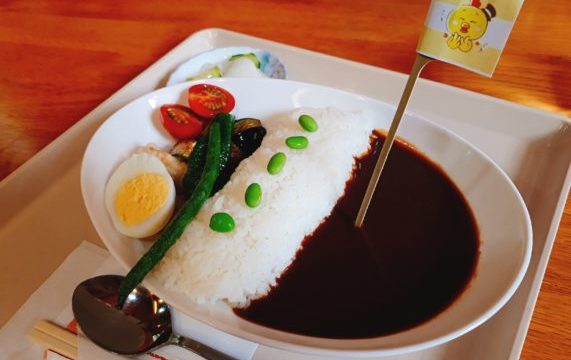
x,y
468,23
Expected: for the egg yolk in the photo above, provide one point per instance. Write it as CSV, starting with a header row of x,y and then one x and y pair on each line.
x,y
140,197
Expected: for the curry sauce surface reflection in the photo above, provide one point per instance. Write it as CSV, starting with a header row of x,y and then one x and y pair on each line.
x,y
415,254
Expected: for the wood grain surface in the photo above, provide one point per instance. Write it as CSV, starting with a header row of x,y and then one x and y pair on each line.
x,y
59,59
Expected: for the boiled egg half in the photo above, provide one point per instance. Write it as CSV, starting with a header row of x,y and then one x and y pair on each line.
x,y
140,196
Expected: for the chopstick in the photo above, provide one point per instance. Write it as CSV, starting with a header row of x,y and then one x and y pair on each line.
x,y
54,338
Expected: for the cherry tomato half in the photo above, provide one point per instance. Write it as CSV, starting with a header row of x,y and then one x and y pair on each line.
x,y
180,121
208,100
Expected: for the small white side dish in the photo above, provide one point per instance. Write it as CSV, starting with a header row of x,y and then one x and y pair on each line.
x,y
502,218
270,65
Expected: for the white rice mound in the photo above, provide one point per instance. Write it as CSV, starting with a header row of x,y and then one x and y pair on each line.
x,y
242,265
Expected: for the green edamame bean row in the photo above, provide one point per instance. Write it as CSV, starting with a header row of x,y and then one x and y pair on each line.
x,y
253,194
223,222
307,123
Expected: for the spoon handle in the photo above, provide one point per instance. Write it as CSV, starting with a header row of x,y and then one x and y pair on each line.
x,y
198,348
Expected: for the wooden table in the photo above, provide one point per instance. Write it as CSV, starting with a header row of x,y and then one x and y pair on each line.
x,y
59,59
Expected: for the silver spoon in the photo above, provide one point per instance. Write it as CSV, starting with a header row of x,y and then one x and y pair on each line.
x,y
142,325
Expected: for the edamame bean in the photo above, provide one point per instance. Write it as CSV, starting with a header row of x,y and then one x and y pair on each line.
x,y
253,195
276,163
222,222
308,123
297,142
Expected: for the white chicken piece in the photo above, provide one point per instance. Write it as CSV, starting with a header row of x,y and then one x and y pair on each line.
x,y
175,167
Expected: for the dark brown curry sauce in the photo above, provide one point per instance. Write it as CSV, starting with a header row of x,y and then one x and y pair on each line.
x,y
416,253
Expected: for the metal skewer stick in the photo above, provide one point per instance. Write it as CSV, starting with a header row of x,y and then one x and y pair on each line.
x,y
419,63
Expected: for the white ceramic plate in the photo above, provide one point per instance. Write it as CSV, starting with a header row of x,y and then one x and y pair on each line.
x,y
502,217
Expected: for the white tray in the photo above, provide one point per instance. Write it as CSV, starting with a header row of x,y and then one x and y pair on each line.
x,y
42,217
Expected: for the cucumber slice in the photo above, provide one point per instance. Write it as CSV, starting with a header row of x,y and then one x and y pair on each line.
x,y
208,74
251,56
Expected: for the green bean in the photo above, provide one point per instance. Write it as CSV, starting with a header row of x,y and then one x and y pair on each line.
x,y
226,125
196,163
183,217
197,157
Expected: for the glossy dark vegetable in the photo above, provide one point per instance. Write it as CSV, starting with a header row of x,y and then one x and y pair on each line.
x,y
247,135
